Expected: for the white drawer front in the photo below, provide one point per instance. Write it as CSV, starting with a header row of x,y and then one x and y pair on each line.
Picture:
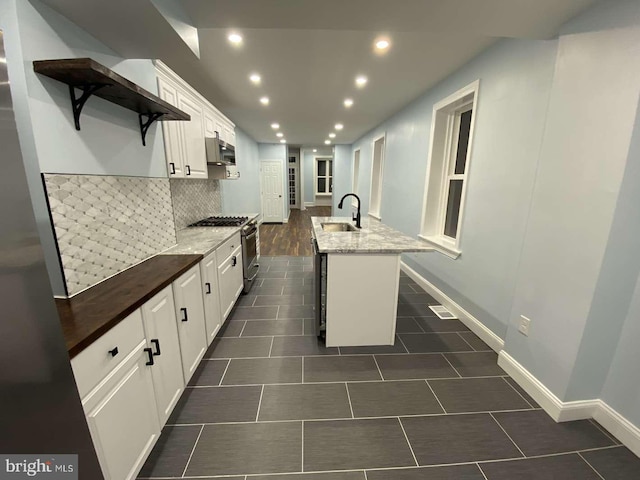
x,y
224,251
95,362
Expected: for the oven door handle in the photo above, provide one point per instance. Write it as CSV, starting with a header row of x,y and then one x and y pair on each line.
x,y
252,234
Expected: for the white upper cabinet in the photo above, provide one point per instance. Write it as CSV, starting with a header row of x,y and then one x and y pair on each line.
x,y
195,158
184,141
172,131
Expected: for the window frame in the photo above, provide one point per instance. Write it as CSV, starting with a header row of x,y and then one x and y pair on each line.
x,y
377,215
443,147
355,175
316,159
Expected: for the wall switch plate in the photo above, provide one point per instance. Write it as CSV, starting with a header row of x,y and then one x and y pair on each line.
x,y
525,323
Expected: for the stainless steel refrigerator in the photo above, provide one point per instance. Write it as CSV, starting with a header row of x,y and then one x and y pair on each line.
x,y
40,409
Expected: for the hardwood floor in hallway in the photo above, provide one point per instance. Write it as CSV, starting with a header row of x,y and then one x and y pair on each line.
x,y
291,238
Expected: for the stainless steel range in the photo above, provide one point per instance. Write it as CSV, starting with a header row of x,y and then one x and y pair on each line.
x,y
249,236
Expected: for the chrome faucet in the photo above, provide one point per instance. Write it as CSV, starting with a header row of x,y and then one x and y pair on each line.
x,y
356,217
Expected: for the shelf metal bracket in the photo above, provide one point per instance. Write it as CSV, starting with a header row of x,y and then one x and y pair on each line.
x,y
145,124
78,103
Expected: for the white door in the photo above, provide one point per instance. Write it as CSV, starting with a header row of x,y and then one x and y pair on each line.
x,y
195,156
211,296
159,318
271,181
187,292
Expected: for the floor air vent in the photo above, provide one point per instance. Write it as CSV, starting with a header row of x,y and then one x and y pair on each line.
x,y
442,312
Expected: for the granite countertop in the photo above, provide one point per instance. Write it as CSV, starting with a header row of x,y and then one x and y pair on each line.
x,y
90,314
373,237
204,240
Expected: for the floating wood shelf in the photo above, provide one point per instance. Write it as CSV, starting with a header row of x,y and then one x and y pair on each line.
x,y
93,78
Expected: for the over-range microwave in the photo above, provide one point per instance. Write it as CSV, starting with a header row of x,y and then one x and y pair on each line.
x,y
219,152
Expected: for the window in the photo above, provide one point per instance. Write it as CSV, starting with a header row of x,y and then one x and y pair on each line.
x,y
324,176
292,184
376,177
356,174
447,170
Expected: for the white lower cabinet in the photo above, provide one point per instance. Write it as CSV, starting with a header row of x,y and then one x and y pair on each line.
x,y
159,318
211,293
231,281
122,416
187,292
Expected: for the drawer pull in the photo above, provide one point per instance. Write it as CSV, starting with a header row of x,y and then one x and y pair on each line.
x,y
185,317
114,352
156,343
234,259
150,353
208,285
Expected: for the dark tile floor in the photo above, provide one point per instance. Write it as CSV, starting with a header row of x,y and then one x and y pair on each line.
x,y
270,401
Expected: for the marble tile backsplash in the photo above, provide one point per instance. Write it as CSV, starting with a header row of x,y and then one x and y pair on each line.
x,y
194,200
105,224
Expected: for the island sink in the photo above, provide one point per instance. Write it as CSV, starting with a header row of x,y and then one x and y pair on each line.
x,y
338,227
356,278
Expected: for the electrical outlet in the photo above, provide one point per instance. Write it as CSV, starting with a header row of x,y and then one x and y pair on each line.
x,y
525,323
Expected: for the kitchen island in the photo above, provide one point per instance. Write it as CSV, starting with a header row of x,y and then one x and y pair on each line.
x,y
357,276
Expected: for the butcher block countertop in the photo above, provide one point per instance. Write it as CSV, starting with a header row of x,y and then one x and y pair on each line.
x,y
88,315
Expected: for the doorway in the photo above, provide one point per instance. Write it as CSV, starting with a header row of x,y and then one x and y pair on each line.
x,y
271,184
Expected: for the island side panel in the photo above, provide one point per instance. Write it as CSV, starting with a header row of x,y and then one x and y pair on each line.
x,y
362,298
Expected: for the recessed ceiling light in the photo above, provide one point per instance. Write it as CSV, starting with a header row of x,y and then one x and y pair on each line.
x,y
255,78
275,126
283,141
361,81
382,44
279,134
348,102
327,142
338,126
235,38
264,100
332,135
315,150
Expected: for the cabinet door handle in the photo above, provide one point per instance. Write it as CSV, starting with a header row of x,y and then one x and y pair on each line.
x,y
234,261
208,285
238,174
114,352
150,353
184,311
173,168
228,173
188,169
156,343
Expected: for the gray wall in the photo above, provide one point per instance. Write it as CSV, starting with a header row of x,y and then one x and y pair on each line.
x,y
551,221
342,164
575,277
515,79
109,142
243,195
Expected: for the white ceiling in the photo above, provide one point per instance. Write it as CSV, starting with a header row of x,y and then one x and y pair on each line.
x,y
308,52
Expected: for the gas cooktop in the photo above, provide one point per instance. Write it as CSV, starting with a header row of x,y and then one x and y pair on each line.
x,y
220,222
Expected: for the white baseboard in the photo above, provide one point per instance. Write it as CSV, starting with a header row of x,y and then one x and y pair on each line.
x,y
619,427
560,411
309,204
557,409
477,327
